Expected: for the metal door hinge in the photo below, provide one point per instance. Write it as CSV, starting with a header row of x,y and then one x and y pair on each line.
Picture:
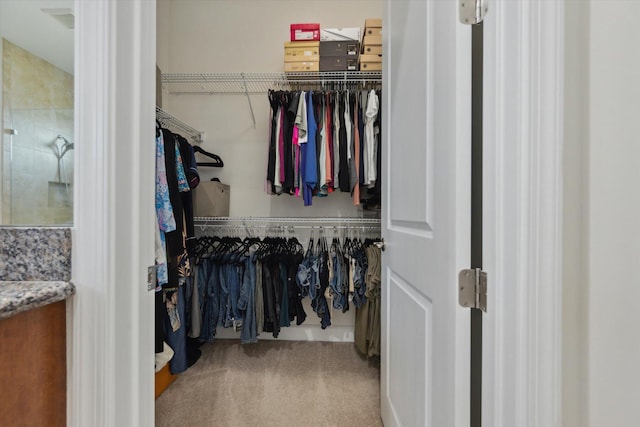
x,y
151,278
472,289
473,11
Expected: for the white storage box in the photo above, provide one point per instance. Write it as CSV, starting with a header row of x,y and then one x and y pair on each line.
x,y
340,34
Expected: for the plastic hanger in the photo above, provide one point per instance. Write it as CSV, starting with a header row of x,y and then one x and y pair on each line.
x,y
217,163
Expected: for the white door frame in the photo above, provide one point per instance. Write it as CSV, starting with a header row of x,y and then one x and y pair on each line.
x,y
111,339
111,317
523,125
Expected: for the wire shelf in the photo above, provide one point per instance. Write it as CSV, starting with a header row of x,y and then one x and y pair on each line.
x,y
263,226
249,83
289,222
172,123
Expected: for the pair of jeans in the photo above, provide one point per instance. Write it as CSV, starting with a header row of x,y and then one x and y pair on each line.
x,y
322,306
296,310
247,302
304,276
230,283
284,300
208,287
272,290
337,284
360,287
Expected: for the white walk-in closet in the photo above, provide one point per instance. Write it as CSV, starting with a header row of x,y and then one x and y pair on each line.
x,y
217,61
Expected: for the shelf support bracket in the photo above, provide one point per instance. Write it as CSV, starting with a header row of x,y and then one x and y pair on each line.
x,y
246,92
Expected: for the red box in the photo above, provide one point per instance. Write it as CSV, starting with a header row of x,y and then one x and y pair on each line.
x,y
305,32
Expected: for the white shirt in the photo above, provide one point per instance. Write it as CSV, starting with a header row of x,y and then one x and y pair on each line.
x,y
370,138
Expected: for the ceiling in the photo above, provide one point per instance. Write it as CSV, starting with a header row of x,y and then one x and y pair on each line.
x,y
23,23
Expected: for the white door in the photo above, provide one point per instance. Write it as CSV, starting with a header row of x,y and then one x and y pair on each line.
x,y
426,220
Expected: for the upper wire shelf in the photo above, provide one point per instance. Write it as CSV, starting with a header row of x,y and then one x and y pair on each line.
x,y
253,226
247,83
173,123
288,221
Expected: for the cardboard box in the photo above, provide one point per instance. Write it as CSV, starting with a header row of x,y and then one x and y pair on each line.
x,y
373,22
340,34
370,58
305,32
301,58
338,63
303,49
311,44
373,31
296,67
211,198
350,48
371,66
372,50
372,40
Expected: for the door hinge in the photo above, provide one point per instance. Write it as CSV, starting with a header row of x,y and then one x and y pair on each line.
x,y
151,277
472,289
473,11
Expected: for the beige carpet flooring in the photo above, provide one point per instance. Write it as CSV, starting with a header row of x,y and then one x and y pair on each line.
x,y
274,383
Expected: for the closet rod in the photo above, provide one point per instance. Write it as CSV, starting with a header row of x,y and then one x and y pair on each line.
x,y
285,227
173,123
270,221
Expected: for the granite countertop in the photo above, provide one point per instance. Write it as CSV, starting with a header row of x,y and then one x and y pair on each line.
x,y
19,296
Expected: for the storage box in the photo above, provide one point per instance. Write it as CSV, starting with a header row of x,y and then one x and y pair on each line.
x,y
372,31
372,50
305,32
302,49
371,66
301,58
211,198
348,48
295,67
340,34
373,22
372,40
338,63
370,58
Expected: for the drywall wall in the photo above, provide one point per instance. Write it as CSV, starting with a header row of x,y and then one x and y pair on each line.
x,y
613,214
245,36
575,216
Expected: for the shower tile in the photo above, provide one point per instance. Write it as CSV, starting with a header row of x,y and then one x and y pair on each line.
x,y
44,138
59,196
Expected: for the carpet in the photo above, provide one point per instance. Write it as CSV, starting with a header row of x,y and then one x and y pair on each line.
x,y
274,383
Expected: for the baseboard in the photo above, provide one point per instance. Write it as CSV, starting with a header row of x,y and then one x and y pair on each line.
x,y
298,333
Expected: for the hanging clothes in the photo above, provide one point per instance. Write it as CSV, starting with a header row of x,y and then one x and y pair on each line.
x,y
367,326
310,178
176,319
323,141
258,285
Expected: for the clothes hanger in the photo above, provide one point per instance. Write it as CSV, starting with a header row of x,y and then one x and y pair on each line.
x,y
217,163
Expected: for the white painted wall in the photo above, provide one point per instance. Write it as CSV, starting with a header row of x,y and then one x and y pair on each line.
x,y
245,36
602,205
575,172
614,214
